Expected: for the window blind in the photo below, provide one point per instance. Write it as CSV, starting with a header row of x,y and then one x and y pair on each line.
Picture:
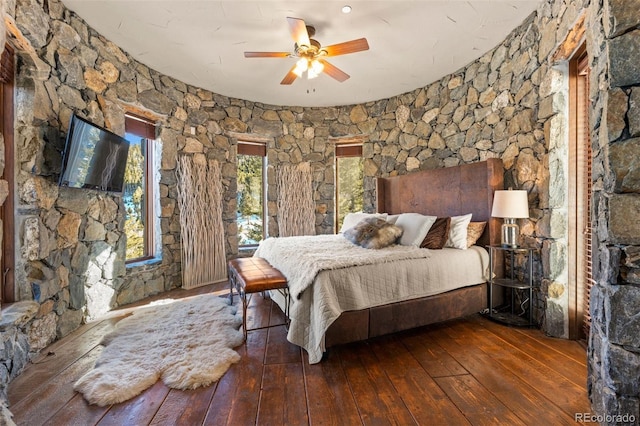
x,y
252,148
348,150
140,126
7,65
584,168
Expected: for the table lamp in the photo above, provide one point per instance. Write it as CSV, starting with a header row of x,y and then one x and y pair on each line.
x,y
510,205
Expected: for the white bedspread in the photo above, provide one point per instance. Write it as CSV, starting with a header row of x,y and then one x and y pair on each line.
x,y
358,287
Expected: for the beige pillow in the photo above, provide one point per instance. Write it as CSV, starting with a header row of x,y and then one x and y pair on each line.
x,y
392,218
474,231
415,227
458,232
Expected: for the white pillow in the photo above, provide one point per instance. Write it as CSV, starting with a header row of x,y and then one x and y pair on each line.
x,y
415,227
392,218
352,219
458,232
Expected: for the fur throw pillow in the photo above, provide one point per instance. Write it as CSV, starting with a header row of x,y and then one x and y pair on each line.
x,y
438,234
373,233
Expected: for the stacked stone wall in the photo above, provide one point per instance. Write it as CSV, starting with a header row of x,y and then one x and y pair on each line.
x,y
614,344
72,242
502,105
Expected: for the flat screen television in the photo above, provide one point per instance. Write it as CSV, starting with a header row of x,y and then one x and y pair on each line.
x,y
93,158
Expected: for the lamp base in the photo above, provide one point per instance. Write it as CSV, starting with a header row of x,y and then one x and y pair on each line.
x,y
510,233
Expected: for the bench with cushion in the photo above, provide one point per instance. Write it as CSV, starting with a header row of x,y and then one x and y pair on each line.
x,y
250,275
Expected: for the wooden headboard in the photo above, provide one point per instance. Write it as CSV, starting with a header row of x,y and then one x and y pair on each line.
x,y
450,191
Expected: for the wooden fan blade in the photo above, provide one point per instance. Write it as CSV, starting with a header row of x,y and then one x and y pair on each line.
x,y
266,54
290,77
347,47
333,71
298,30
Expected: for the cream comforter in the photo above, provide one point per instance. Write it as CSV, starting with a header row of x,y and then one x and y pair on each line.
x,y
372,278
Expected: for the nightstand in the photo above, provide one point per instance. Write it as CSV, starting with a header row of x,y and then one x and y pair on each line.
x,y
510,316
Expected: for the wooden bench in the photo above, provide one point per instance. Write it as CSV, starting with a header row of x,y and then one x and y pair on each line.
x,y
250,275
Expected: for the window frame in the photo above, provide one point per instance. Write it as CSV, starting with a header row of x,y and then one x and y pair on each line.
x,y
7,106
258,149
580,229
146,129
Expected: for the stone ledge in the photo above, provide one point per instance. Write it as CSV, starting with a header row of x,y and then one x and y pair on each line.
x,y
144,263
18,314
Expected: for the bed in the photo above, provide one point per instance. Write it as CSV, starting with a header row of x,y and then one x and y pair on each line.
x,y
344,304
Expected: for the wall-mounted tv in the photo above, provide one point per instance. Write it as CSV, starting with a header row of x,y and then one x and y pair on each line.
x,y
93,158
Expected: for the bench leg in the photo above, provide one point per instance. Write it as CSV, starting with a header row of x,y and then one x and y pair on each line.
x,y
246,299
245,303
231,276
287,305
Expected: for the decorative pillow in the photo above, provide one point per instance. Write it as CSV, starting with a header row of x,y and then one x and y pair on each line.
x,y
373,233
392,218
458,232
474,231
438,234
352,219
415,227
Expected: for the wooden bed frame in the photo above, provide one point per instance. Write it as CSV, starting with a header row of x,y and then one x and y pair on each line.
x,y
451,191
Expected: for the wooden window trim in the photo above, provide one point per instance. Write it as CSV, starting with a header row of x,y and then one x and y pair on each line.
x,y
7,272
579,200
348,150
252,148
140,126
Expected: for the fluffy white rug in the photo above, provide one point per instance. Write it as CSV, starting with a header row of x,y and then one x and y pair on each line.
x,y
188,343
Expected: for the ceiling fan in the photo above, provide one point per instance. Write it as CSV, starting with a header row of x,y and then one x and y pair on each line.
x,y
311,54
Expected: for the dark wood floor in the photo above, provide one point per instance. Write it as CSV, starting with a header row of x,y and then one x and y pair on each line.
x,y
469,371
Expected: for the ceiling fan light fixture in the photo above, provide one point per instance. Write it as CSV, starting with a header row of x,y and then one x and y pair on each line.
x,y
315,69
301,66
310,54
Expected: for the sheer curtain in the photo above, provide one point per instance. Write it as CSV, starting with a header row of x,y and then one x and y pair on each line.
x,y
201,227
296,209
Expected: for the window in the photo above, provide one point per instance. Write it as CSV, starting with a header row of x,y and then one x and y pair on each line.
x,y
580,227
7,262
251,193
349,180
138,189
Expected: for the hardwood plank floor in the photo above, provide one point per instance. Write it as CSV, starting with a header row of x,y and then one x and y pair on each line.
x,y
466,371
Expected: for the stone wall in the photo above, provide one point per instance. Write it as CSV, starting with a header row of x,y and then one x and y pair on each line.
x,y
14,348
14,344
72,245
614,344
501,105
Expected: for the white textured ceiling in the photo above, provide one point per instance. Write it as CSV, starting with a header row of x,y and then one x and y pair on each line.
x,y
412,43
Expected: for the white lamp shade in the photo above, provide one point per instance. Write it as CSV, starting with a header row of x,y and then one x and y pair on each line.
x,y
510,204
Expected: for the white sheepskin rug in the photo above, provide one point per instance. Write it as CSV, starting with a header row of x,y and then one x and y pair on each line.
x,y
188,343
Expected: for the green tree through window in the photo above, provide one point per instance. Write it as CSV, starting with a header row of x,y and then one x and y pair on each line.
x,y
133,197
250,195
349,181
